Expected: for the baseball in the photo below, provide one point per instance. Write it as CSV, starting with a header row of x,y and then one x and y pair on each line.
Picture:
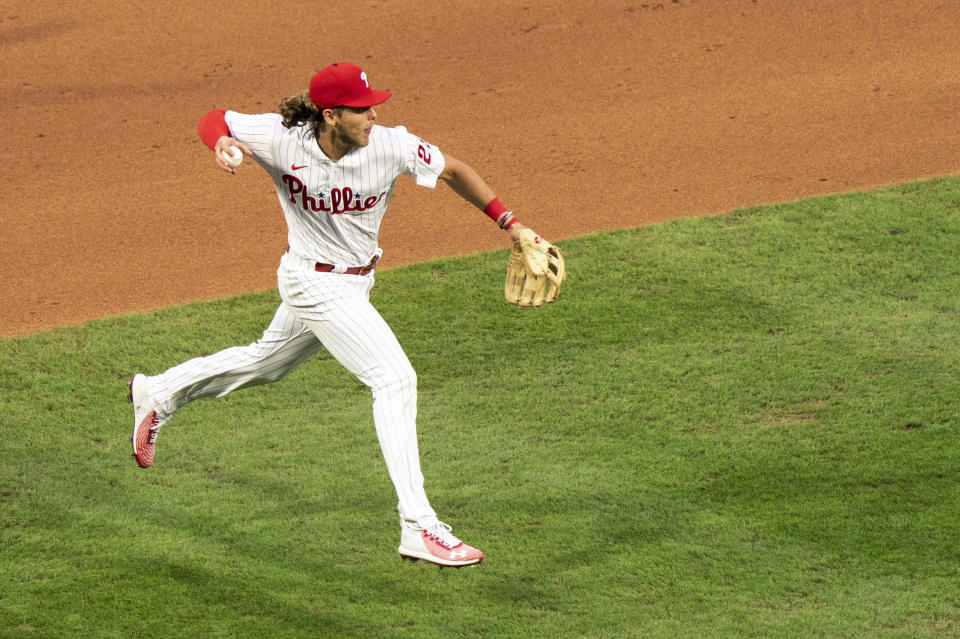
x,y
233,157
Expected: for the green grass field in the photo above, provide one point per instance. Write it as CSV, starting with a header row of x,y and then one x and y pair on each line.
x,y
739,426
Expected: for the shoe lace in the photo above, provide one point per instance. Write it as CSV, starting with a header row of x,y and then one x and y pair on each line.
x,y
154,427
441,533
157,423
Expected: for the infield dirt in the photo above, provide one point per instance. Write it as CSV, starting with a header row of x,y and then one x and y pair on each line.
x,y
583,118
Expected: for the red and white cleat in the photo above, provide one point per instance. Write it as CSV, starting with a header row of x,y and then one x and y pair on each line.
x,y
436,544
145,423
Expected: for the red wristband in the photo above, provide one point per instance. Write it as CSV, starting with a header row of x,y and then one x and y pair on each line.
x,y
499,214
494,209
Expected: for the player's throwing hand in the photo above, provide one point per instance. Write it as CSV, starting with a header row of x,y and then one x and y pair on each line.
x,y
223,150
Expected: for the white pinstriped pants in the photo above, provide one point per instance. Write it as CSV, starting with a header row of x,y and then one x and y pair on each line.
x,y
321,310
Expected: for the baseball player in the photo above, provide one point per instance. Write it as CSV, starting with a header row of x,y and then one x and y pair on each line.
x,y
334,170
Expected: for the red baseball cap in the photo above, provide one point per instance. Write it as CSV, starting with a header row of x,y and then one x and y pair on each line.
x,y
343,84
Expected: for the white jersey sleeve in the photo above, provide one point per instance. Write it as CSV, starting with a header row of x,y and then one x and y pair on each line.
x,y
257,132
421,160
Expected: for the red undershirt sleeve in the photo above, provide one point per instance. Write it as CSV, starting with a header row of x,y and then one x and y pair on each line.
x,y
213,126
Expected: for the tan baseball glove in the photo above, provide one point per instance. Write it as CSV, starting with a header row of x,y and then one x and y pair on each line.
x,y
535,271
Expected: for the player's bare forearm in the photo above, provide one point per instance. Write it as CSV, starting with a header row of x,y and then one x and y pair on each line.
x,y
466,182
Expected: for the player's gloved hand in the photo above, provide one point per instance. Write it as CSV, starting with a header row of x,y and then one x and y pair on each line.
x,y
220,150
535,270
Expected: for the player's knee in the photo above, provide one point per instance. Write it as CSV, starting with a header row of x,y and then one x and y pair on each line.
x,y
261,349
400,379
268,360
406,379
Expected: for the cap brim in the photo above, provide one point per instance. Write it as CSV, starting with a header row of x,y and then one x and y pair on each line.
x,y
371,99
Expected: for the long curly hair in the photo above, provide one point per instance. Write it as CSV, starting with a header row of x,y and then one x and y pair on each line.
x,y
298,110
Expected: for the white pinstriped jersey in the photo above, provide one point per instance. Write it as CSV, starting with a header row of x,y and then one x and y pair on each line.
x,y
333,209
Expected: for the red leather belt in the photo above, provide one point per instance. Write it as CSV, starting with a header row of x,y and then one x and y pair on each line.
x,y
354,270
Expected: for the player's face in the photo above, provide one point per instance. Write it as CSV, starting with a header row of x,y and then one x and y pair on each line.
x,y
355,124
